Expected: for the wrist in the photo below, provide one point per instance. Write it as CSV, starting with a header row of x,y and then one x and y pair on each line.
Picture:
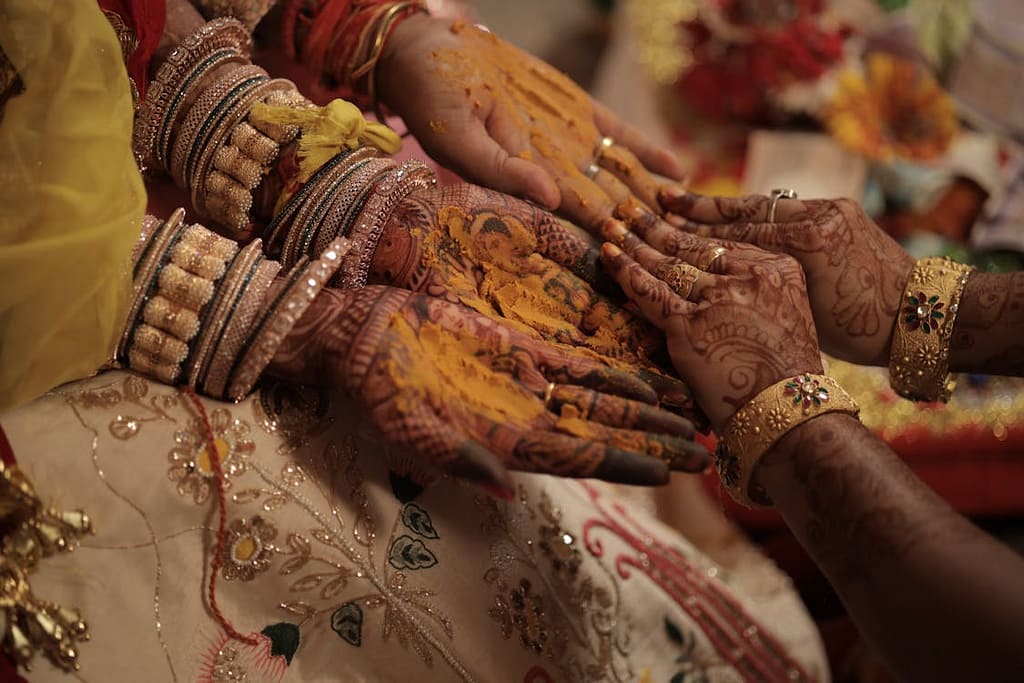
x,y
756,427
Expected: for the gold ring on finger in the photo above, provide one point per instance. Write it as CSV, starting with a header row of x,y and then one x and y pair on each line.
x,y
709,257
681,277
776,195
595,163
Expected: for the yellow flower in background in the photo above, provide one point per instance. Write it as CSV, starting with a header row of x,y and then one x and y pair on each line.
x,y
896,110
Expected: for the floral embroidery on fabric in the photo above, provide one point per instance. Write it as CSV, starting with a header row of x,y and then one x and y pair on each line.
x,y
248,550
523,610
572,619
192,463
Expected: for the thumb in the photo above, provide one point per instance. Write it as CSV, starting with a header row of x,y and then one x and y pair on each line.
x,y
476,156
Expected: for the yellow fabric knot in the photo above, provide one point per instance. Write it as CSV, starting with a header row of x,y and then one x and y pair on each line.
x,y
328,130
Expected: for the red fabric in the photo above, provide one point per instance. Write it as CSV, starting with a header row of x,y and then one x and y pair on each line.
x,y
146,19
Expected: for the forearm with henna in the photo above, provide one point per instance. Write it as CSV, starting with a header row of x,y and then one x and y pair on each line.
x,y
937,597
988,335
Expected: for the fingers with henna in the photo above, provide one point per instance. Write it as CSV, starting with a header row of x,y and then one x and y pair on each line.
x,y
617,412
655,298
548,452
419,428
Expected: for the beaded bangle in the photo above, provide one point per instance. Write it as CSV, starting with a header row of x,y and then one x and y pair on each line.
x,y
232,114
240,320
210,242
260,148
410,176
197,121
919,359
765,419
146,267
306,281
184,288
338,206
215,43
189,257
276,231
174,318
141,362
162,348
216,316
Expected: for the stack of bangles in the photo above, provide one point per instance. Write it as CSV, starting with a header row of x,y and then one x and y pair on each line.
x,y
352,196
199,313
344,40
211,147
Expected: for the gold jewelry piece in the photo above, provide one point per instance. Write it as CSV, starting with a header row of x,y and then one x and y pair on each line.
x,y
919,359
681,277
549,390
184,288
776,195
765,419
710,256
32,533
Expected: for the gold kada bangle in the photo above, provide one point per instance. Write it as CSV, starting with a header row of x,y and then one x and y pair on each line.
x,y
919,359
765,419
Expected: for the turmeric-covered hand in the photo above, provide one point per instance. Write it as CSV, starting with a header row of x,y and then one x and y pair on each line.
x,y
474,397
507,120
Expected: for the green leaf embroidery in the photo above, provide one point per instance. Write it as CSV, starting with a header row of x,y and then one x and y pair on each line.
x,y
410,553
347,622
404,488
418,520
284,640
674,634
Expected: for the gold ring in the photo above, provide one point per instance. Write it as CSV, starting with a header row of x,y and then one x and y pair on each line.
x,y
548,391
681,278
595,163
710,256
776,195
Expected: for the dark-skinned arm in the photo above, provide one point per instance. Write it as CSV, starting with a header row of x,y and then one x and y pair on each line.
x,y
988,335
937,597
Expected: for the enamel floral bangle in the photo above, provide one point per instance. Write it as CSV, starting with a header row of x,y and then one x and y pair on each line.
x,y
765,419
919,359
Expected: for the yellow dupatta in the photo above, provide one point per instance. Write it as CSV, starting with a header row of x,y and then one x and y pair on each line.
x,y
71,198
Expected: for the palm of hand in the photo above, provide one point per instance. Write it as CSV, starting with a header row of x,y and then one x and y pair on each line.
x,y
468,394
510,261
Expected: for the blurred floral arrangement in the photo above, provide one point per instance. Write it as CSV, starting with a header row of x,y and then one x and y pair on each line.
x,y
865,72
766,63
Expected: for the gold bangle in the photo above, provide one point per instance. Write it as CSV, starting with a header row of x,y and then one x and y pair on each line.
x,y
765,419
919,359
182,287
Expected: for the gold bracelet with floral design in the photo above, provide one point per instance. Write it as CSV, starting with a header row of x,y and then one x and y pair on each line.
x,y
919,359
765,419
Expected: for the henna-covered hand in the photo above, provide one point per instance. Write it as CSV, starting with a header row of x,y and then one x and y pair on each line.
x,y
736,333
507,120
507,259
473,397
521,266
856,274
